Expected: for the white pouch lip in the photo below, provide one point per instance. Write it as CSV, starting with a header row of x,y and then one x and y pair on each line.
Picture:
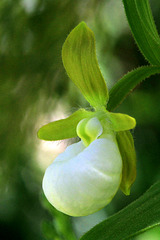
x,y
82,179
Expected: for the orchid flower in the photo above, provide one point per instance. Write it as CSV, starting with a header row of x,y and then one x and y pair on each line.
x,y
86,176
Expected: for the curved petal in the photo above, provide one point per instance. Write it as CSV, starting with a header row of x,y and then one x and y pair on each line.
x,y
87,181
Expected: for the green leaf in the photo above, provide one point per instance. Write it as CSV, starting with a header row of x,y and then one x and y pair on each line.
x,y
143,28
127,150
80,62
137,217
64,128
121,122
127,83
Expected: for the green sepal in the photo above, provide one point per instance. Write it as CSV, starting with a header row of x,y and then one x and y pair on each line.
x,y
126,146
80,61
64,128
121,122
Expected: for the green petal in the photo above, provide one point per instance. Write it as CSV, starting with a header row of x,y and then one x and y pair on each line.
x,y
80,62
121,122
127,150
64,128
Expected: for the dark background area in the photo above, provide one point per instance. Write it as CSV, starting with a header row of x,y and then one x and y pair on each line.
x,y
34,90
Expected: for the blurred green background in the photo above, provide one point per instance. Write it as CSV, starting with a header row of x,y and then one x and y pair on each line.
x,y
34,90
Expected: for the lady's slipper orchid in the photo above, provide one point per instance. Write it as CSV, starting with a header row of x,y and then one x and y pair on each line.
x,y
83,180
86,176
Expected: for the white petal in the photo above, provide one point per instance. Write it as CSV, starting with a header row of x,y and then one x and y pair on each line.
x,y
83,180
70,152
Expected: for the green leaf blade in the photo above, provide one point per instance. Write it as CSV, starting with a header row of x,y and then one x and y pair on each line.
x,y
142,214
64,128
146,14
127,83
80,61
143,29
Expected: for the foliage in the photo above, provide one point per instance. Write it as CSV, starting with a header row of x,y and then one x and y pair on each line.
x,y
32,80
144,211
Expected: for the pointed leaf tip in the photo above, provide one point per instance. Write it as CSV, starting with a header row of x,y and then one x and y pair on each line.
x,y
80,61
